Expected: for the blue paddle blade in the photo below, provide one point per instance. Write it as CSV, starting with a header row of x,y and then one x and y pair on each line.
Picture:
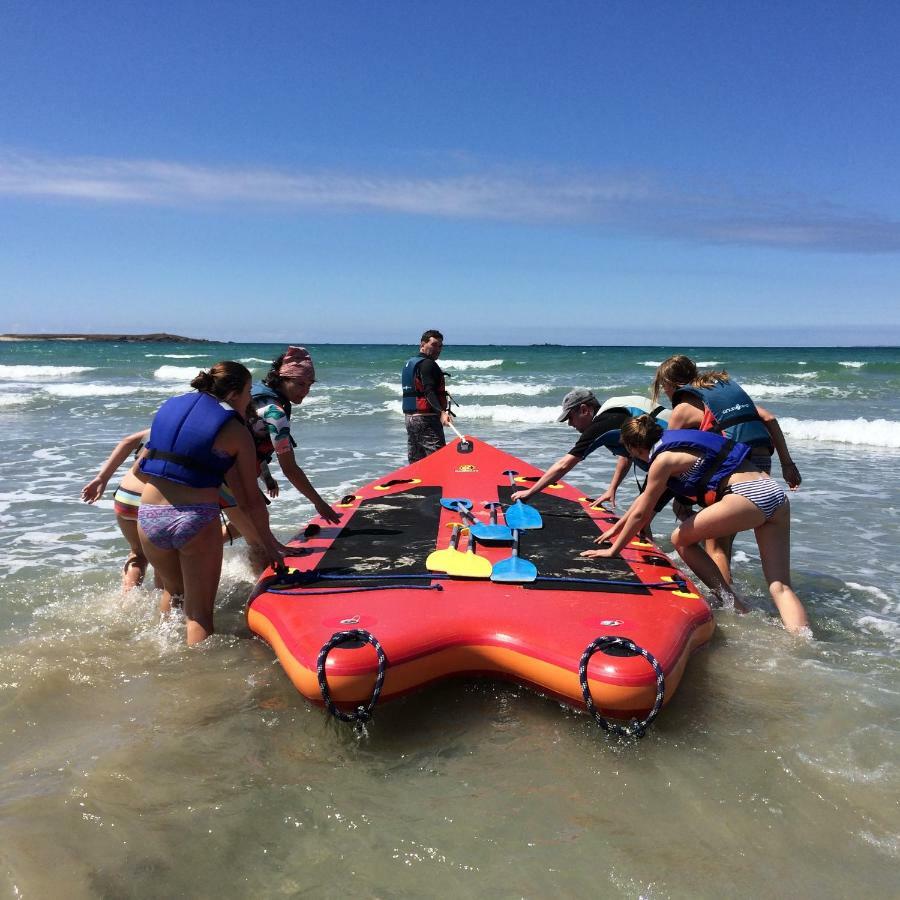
x,y
522,517
496,533
455,502
514,570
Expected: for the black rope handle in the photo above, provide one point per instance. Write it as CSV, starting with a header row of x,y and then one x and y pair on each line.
x,y
362,713
634,728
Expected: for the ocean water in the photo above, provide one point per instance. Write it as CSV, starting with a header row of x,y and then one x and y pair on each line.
x,y
131,766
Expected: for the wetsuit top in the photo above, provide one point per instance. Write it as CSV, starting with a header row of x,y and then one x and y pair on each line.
x,y
720,457
180,446
730,411
424,386
602,431
271,426
631,406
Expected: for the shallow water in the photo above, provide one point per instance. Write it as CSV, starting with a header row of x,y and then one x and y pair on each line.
x,y
135,767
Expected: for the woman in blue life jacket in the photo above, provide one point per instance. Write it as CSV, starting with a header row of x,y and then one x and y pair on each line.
x,y
713,401
736,496
195,439
286,385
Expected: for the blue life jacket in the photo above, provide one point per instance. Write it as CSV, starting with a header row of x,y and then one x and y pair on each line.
x,y
721,457
634,406
735,413
179,448
414,400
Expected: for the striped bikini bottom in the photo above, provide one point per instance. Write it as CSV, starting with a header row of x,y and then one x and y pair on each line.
x,y
762,492
126,503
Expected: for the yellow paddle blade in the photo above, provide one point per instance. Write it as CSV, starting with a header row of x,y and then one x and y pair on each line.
x,y
439,560
468,565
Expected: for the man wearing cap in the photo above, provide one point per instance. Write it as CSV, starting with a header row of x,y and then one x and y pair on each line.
x,y
287,383
599,427
425,400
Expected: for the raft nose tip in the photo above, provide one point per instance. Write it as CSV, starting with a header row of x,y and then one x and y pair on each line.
x,y
464,446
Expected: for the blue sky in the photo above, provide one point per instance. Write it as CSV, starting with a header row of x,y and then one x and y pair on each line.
x,y
655,172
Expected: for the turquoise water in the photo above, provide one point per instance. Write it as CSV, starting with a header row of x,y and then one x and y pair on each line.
x,y
134,767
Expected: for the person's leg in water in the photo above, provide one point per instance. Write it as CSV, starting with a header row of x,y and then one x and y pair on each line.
x,y
201,564
185,542
135,567
730,515
774,541
719,550
167,566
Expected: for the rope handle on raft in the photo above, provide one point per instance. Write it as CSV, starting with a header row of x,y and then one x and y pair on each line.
x,y
635,728
361,714
674,583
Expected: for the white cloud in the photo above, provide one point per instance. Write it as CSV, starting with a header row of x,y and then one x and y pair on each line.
x,y
629,204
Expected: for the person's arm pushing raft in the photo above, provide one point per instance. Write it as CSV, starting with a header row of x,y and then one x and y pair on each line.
x,y
561,467
638,516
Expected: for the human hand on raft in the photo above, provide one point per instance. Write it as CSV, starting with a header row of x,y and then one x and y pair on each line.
x,y
519,495
327,513
606,536
93,490
274,552
603,553
791,475
607,497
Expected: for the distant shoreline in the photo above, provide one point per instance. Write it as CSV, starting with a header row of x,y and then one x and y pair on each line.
x,y
157,338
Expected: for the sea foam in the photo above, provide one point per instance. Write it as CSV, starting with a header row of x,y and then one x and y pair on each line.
x,y
483,388
13,399
784,390
91,390
498,389
16,373
470,363
176,373
527,415
868,432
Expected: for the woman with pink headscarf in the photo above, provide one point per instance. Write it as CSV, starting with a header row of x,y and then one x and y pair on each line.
x,y
288,382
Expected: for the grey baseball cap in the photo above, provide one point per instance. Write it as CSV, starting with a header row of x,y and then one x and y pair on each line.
x,y
573,400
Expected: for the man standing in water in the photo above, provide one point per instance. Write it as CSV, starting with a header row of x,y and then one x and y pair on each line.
x,y
425,401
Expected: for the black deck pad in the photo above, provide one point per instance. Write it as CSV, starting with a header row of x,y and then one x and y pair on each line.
x,y
554,549
387,536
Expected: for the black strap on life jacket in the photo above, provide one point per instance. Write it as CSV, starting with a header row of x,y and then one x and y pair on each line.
x,y
177,458
714,465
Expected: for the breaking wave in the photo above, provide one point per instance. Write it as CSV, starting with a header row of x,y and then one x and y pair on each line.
x,y
16,373
867,432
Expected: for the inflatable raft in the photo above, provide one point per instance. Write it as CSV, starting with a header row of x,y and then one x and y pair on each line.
x,y
383,603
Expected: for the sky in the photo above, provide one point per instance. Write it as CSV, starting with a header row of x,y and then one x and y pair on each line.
x,y
508,172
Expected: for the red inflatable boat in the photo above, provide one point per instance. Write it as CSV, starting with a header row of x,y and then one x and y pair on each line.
x,y
383,603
